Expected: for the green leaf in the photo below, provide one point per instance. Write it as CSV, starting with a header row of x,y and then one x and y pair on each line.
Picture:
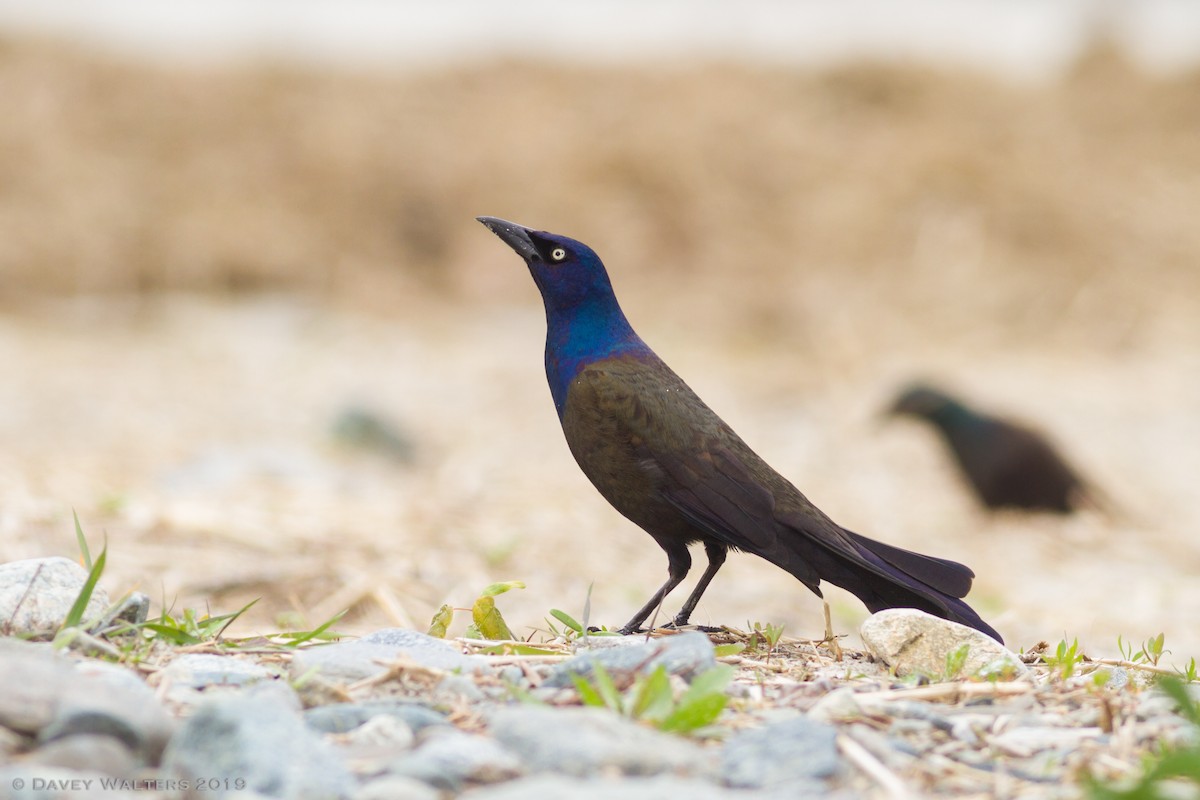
x,y
441,621
607,688
507,649
695,712
588,694
501,588
566,619
711,680
1177,691
654,700
79,608
723,650
488,620
1177,764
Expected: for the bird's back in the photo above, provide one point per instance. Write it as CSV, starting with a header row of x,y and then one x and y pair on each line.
x,y
1011,465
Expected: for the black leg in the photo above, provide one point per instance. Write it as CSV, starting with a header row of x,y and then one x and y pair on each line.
x,y
679,561
716,557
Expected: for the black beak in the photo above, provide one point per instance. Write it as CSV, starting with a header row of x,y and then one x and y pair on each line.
x,y
514,235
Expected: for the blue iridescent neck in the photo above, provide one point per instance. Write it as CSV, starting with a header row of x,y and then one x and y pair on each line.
x,y
583,335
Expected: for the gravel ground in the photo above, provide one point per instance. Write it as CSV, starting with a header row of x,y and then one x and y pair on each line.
x,y
195,436
397,713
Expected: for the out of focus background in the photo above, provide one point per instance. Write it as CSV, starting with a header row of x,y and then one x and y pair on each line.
x,y
252,334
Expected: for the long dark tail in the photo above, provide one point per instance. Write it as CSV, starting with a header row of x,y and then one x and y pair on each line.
x,y
896,578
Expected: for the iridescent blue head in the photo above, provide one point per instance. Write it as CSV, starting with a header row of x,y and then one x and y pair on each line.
x,y
584,322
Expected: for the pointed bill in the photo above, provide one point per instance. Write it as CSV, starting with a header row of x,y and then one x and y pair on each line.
x,y
514,235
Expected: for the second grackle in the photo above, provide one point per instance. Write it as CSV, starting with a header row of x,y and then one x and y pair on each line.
x,y
1007,464
669,464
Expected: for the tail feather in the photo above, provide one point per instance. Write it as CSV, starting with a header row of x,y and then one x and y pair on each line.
x,y
950,577
891,577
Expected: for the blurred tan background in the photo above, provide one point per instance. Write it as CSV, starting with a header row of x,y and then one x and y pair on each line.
x,y
206,261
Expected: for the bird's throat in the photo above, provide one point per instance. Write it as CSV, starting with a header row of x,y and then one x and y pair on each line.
x,y
583,336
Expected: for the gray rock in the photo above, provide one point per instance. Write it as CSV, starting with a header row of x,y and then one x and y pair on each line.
x,y
202,670
34,678
40,782
343,717
584,741
451,758
37,594
685,654
108,700
661,787
353,661
395,787
912,641
840,705
102,754
783,754
383,730
134,608
461,687
258,738
1025,742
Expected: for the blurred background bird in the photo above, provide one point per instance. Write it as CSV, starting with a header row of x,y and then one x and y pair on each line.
x,y
1007,464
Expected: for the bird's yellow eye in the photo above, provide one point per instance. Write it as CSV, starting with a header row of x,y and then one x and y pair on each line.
x,y
558,254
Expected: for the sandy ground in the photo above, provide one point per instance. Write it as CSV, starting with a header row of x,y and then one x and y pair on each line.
x,y
202,268
195,436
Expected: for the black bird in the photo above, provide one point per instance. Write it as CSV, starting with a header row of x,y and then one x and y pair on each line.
x,y
1007,464
669,464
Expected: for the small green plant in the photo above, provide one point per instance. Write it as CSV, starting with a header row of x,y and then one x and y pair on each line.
x,y
486,620
956,659
128,640
1066,659
1172,773
650,698
190,627
572,628
764,634
1152,650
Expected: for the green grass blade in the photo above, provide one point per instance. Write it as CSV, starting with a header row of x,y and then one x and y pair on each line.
x,y
83,545
75,615
229,619
297,639
170,633
566,619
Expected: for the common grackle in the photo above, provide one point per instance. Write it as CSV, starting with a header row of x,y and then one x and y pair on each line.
x,y
1007,464
669,464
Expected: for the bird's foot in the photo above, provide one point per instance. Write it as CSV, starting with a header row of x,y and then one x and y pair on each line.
x,y
681,622
689,626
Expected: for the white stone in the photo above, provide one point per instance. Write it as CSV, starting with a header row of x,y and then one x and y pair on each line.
x,y
911,641
36,595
